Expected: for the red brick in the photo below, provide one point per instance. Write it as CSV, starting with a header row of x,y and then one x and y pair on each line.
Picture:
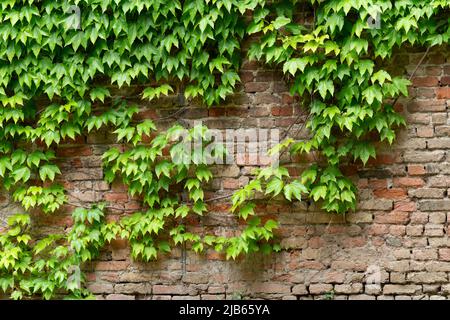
x,y
407,206
117,186
320,288
409,182
282,111
447,70
116,197
262,98
271,287
378,229
425,132
445,81
252,87
394,217
425,81
416,170
443,93
246,76
74,151
217,112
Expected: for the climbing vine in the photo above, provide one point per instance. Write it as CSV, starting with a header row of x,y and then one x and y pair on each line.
x,y
332,64
62,62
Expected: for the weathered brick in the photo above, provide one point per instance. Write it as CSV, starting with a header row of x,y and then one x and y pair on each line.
x,y
414,230
434,230
132,288
434,205
423,156
348,288
409,182
361,297
397,277
393,193
425,254
375,205
393,217
256,87
401,223
173,289
101,287
400,289
444,254
427,277
425,81
443,93
270,287
300,289
421,193
212,297
120,297
111,265
320,288
439,143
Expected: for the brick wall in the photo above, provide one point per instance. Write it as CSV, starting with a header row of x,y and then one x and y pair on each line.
x,y
398,236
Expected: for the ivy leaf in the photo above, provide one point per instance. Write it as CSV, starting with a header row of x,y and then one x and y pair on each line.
x,y
401,85
164,168
319,192
99,93
295,188
373,93
380,76
295,64
364,151
152,93
247,210
275,186
5,163
325,86
163,246
22,173
203,173
270,225
48,171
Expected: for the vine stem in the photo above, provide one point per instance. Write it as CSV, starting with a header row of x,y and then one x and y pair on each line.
x,y
415,70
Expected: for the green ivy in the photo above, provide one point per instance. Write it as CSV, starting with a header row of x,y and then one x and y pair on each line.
x,y
59,74
333,65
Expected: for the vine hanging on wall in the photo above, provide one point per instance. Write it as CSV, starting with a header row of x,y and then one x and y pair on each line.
x,y
73,59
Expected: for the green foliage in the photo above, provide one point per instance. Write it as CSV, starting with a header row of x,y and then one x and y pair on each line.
x,y
30,268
